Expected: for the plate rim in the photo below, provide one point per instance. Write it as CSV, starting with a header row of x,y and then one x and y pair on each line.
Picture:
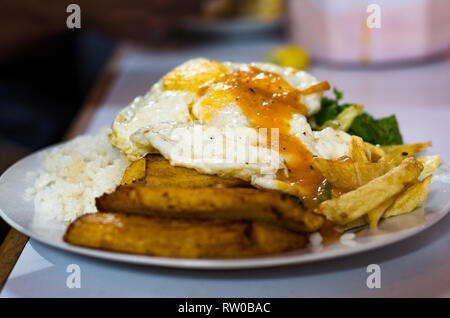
x,y
263,261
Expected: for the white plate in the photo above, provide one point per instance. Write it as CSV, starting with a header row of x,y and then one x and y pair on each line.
x,y
20,214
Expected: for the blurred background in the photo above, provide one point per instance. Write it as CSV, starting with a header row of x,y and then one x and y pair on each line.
x,y
48,69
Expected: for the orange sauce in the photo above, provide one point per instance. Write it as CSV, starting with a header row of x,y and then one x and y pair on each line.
x,y
268,101
328,233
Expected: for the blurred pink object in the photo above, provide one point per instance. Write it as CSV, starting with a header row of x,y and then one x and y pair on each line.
x,y
337,31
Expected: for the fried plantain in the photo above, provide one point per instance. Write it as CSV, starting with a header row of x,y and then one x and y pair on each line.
x,y
182,238
135,173
160,172
212,203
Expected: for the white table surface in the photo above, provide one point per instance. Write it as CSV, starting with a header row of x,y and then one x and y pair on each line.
x,y
417,267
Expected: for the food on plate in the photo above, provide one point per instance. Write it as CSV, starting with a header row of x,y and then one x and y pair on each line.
x,y
160,172
382,131
430,163
396,154
224,159
358,151
375,152
373,216
186,238
345,119
352,205
73,175
346,174
411,198
135,173
405,202
212,203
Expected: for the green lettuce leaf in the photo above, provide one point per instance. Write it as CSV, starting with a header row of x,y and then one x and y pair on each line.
x,y
383,131
330,108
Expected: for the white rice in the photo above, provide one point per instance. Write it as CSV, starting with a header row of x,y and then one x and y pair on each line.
x,y
73,175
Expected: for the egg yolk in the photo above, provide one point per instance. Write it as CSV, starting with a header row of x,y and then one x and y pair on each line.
x,y
192,75
269,101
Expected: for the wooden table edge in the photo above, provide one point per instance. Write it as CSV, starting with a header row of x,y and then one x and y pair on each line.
x,y
14,242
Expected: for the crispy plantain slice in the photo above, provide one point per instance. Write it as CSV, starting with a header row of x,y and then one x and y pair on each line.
x,y
181,238
135,173
160,172
212,203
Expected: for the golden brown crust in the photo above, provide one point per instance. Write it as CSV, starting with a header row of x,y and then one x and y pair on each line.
x,y
135,173
160,172
182,238
352,205
212,203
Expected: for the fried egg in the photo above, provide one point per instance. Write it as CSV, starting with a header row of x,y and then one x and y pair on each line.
x,y
239,120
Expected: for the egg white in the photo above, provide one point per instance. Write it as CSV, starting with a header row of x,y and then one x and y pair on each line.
x,y
166,121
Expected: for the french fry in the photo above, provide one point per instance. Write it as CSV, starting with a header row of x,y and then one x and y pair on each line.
x,y
374,216
361,221
375,152
410,199
358,150
135,173
348,175
430,163
344,120
352,205
396,154
184,238
212,203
